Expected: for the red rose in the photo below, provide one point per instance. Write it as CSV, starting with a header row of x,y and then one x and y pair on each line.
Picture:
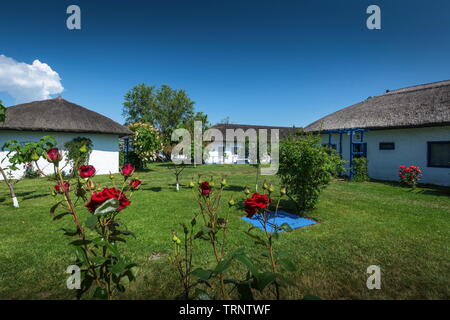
x,y
205,188
62,187
86,171
53,155
108,193
255,203
134,184
127,169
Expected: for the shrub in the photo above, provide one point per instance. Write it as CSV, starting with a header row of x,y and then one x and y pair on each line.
x,y
78,152
305,169
409,175
359,168
146,144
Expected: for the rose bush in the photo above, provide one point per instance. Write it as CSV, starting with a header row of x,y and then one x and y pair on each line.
x,y
409,175
104,270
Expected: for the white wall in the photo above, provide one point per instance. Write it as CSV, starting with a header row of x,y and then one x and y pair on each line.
x,y
410,149
215,154
104,156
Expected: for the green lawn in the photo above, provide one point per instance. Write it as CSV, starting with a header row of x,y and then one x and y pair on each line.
x,y
404,231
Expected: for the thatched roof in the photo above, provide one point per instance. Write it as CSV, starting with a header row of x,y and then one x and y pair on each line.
x,y
283,131
418,106
59,115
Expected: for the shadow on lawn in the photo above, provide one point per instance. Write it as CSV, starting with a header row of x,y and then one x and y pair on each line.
x,y
154,189
428,189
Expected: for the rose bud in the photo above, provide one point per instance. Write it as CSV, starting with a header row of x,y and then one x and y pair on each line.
x,y
212,184
247,191
223,182
54,156
283,191
86,171
62,187
83,149
271,188
90,185
205,188
231,202
35,156
265,186
135,184
191,184
127,170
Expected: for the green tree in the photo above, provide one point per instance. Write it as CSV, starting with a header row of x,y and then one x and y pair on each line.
x,y
164,108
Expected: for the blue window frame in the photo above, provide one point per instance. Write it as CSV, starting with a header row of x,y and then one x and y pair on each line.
x,y
438,154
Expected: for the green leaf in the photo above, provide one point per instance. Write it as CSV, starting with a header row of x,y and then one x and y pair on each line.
x,y
91,222
54,207
113,248
118,268
287,265
59,216
100,242
100,294
98,260
223,265
106,207
68,232
79,253
246,261
245,292
202,273
80,242
264,279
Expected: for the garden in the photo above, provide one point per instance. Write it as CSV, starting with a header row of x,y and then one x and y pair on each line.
x,y
402,230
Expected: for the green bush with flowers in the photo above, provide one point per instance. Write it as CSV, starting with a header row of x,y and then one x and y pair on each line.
x,y
104,270
409,175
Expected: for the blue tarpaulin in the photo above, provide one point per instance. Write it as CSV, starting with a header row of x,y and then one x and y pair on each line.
x,y
277,220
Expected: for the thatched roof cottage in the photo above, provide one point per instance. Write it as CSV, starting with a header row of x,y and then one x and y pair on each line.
x,y
64,121
409,126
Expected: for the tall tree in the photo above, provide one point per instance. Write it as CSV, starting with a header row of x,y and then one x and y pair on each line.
x,y
164,108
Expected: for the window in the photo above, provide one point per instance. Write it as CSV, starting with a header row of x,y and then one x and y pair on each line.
x,y
360,150
387,146
439,154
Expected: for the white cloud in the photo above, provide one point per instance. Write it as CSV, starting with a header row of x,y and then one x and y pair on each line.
x,y
28,82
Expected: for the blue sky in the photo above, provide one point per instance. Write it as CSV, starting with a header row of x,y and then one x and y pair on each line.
x,y
259,62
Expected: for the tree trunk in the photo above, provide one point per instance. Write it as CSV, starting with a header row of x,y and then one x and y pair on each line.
x,y
11,189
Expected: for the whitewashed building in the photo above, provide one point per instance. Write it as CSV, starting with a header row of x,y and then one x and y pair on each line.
x,y
63,121
409,126
231,151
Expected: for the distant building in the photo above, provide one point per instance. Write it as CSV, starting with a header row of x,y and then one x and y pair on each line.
x,y
63,121
409,126
231,151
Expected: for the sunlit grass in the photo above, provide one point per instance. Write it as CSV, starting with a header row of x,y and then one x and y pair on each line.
x,y
403,231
